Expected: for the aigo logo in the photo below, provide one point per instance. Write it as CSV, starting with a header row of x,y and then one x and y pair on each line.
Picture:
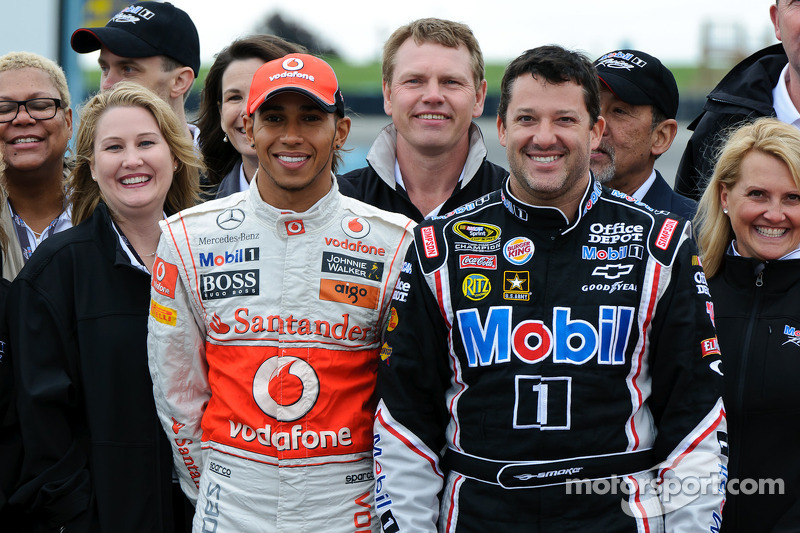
x,y
355,227
285,388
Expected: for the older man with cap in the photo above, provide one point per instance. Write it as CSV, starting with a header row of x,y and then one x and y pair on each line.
x,y
266,319
154,44
639,101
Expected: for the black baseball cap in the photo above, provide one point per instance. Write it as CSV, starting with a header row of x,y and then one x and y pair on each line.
x,y
638,78
145,29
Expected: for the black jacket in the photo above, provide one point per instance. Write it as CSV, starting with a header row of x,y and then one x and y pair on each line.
x,y
744,93
660,196
759,336
96,457
375,184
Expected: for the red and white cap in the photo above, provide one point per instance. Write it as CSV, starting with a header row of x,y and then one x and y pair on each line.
x,y
302,73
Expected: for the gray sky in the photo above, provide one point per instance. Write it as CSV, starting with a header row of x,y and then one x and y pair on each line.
x,y
668,30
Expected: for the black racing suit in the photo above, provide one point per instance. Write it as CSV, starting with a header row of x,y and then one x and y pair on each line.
x,y
587,347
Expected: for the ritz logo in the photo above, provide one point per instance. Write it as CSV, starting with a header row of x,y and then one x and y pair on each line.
x,y
569,341
285,388
476,287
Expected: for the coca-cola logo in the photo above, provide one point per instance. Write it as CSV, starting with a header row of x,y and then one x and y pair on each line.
x,y
486,262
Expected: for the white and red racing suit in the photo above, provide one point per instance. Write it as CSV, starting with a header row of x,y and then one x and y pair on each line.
x,y
263,344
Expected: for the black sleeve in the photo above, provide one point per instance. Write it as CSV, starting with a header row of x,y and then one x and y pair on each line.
x,y
55,481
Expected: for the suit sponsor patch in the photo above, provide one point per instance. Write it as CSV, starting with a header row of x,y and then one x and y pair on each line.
x,y
352,266
163,314
665,235
348,292
165,277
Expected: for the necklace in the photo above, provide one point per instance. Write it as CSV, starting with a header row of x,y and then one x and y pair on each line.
x,y
150,255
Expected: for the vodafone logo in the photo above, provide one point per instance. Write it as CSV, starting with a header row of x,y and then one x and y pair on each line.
x,y
293,63
285,388
295,227
161,271
355,227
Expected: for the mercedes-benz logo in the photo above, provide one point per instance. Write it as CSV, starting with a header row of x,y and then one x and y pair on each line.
x,y
230,219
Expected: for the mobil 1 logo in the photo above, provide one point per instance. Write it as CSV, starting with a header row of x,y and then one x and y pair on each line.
x,y
228,284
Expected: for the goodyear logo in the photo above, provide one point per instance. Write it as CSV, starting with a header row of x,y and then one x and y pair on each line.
x,y
163,314
477,231
476,287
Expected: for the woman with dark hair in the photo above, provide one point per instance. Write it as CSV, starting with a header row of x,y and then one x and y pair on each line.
x,y
95,456
229,158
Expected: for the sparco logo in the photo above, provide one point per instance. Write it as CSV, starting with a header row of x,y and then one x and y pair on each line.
x,y
285,388
488,262
229,284
230,219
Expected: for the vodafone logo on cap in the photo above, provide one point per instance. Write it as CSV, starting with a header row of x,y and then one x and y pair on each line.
x,y
355,227
293,63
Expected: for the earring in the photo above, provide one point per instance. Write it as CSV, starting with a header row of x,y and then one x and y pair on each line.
x,y
725,210
175,167
93,178
338,146
225,138
252,145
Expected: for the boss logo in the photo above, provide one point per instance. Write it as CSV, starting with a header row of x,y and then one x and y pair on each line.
x,y
229,284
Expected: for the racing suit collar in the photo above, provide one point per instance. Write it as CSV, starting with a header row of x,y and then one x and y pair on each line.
x,y
284,222
546,217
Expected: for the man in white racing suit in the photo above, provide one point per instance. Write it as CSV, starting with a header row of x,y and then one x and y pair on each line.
x,y
265,321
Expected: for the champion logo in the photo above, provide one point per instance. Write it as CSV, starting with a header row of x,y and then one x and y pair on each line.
x,y
295,227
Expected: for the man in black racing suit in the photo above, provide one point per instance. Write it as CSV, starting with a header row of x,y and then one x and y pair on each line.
x,y
552,331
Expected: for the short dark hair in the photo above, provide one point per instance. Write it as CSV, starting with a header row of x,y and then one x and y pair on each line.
x,y
556,65
220,157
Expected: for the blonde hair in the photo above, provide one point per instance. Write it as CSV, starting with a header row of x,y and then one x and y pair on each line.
x,y
185,187
766,135
20,60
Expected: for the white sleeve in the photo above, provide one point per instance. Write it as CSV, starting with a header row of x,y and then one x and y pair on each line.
x,y
178,367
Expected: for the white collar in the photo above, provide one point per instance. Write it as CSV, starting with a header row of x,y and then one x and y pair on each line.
x,y
785,111
642,191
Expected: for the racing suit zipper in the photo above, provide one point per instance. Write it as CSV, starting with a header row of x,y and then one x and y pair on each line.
x,y
758,271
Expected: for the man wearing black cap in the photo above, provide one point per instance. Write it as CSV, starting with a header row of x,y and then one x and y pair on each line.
x,y
639,100
152,43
